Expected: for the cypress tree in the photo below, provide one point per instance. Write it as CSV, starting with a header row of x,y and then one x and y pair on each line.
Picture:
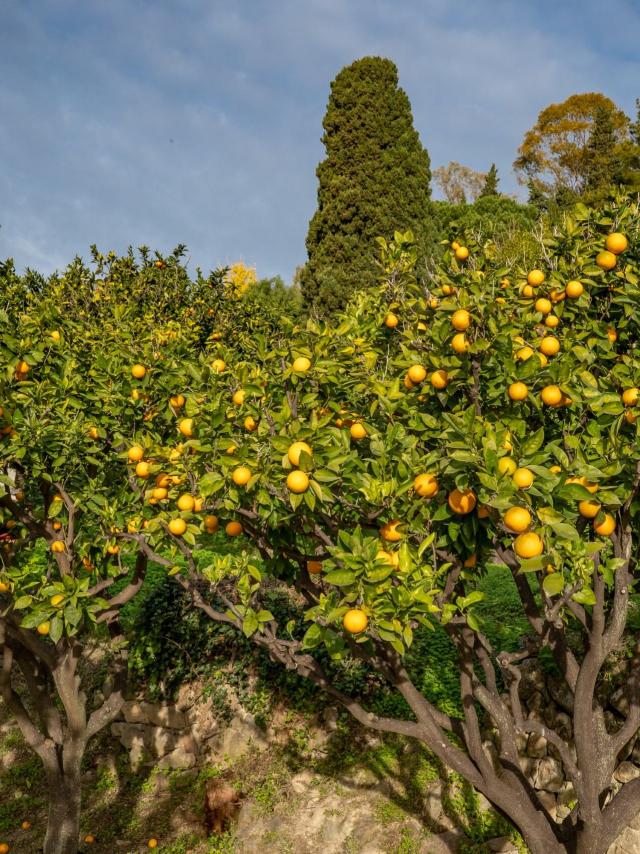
x,y
629,156
374,180
600,151
537,197
635,126
490,187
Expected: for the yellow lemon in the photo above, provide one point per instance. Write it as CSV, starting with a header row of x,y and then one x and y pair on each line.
x,y
358,431
241,475
606,527
518,391
523,478
517,519
186,503
295,450
297,482
417,373
390,532
426,485
301,365
461,320
551,395
528,545
549,345
355,621
462,501
574,289
535,278
616,242
186,427
606,260
459,343
177,527
391,320
507,465
439,379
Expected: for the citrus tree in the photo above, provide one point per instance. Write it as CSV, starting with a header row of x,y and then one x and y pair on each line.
x,y
83,366
380,463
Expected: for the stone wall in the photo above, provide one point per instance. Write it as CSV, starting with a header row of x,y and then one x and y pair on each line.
x,y
189,733
185,733
548,700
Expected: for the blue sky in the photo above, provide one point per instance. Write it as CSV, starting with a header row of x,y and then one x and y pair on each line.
x,y
199,121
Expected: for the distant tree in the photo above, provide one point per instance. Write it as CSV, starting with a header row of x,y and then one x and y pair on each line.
x,y
628,166
634,128
563,198
537,197
240,278
278,297
375,179
491,180
600,171
555,151
459,183
502,220
628,156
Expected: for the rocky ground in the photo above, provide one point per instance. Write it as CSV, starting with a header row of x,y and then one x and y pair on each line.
x,y
306,782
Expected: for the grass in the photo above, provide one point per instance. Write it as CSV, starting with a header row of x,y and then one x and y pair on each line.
x,y
170,638
122,805
387,813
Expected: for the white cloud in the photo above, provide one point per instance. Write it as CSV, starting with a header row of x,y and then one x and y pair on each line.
x,y
93,94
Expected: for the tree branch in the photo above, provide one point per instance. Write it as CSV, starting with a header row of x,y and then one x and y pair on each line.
x,y
127,593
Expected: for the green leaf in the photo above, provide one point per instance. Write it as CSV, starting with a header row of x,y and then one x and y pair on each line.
x,y
209,484
565,531
296,500
473,597
378,575
340,577
56,629
407,634
472,621
254,572
334,643
397,644
575,492
553,584
549,516
404,553
443,512
312,637
533,443
586,596
532,564
250,624
426,543
34,618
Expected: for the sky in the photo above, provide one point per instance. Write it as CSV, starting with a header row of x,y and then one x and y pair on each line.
x,y
159,122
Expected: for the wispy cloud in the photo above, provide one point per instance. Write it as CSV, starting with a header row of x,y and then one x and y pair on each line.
x,y
162,122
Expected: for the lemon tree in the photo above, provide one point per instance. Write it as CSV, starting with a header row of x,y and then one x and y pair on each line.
x,y
378,463
86,375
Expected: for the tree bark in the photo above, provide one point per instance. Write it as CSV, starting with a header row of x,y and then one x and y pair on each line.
x,y
65,796
591,827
